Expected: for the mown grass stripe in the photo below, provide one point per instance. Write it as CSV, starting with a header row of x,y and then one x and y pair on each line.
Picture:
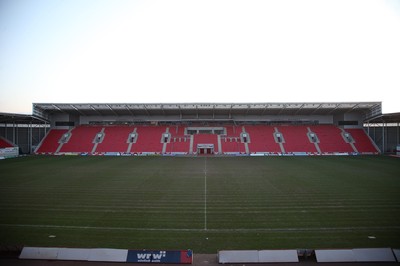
x,y
219,230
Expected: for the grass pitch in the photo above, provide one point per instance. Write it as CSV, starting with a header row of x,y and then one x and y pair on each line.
x,y
204,203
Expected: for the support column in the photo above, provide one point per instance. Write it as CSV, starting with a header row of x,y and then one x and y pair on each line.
x,y
30,138
383,137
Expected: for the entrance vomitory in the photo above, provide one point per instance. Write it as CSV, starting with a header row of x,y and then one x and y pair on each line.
x,y
205,149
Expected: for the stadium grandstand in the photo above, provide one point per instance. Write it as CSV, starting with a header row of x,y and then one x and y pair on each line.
x,y
202,129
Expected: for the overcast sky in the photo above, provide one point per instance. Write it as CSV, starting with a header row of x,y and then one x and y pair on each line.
x,y
134,51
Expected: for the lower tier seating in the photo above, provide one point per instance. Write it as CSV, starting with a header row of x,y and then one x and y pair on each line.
x,y
242,139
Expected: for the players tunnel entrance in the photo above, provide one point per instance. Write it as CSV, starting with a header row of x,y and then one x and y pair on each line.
x,y
205,149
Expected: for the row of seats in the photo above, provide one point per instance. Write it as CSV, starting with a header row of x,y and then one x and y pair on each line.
x,y
258,139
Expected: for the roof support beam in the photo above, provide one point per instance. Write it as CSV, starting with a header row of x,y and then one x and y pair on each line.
x,y
282,109
334,109
76,109
300,108
316,109
147,111
248,109
94,109
129,110
58,108
265,109
109,107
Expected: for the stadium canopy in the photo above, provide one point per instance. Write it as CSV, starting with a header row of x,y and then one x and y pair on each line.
x,y
44,110
20,119
385,118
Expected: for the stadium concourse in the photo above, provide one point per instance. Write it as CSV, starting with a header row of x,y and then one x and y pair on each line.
x,y
207,129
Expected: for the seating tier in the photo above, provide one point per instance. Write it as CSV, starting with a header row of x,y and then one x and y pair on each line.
x,y
296,139
115,139
179,142
361,140
149,139
51,142
330,139
81,139
262,139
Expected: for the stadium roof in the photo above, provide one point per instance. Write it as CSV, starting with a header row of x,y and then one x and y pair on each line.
x,y
385,118
11,118
369,109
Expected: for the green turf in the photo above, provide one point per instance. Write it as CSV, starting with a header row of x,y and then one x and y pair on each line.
x,y
205,203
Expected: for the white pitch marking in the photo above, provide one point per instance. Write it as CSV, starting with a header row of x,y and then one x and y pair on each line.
x,y
205,193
